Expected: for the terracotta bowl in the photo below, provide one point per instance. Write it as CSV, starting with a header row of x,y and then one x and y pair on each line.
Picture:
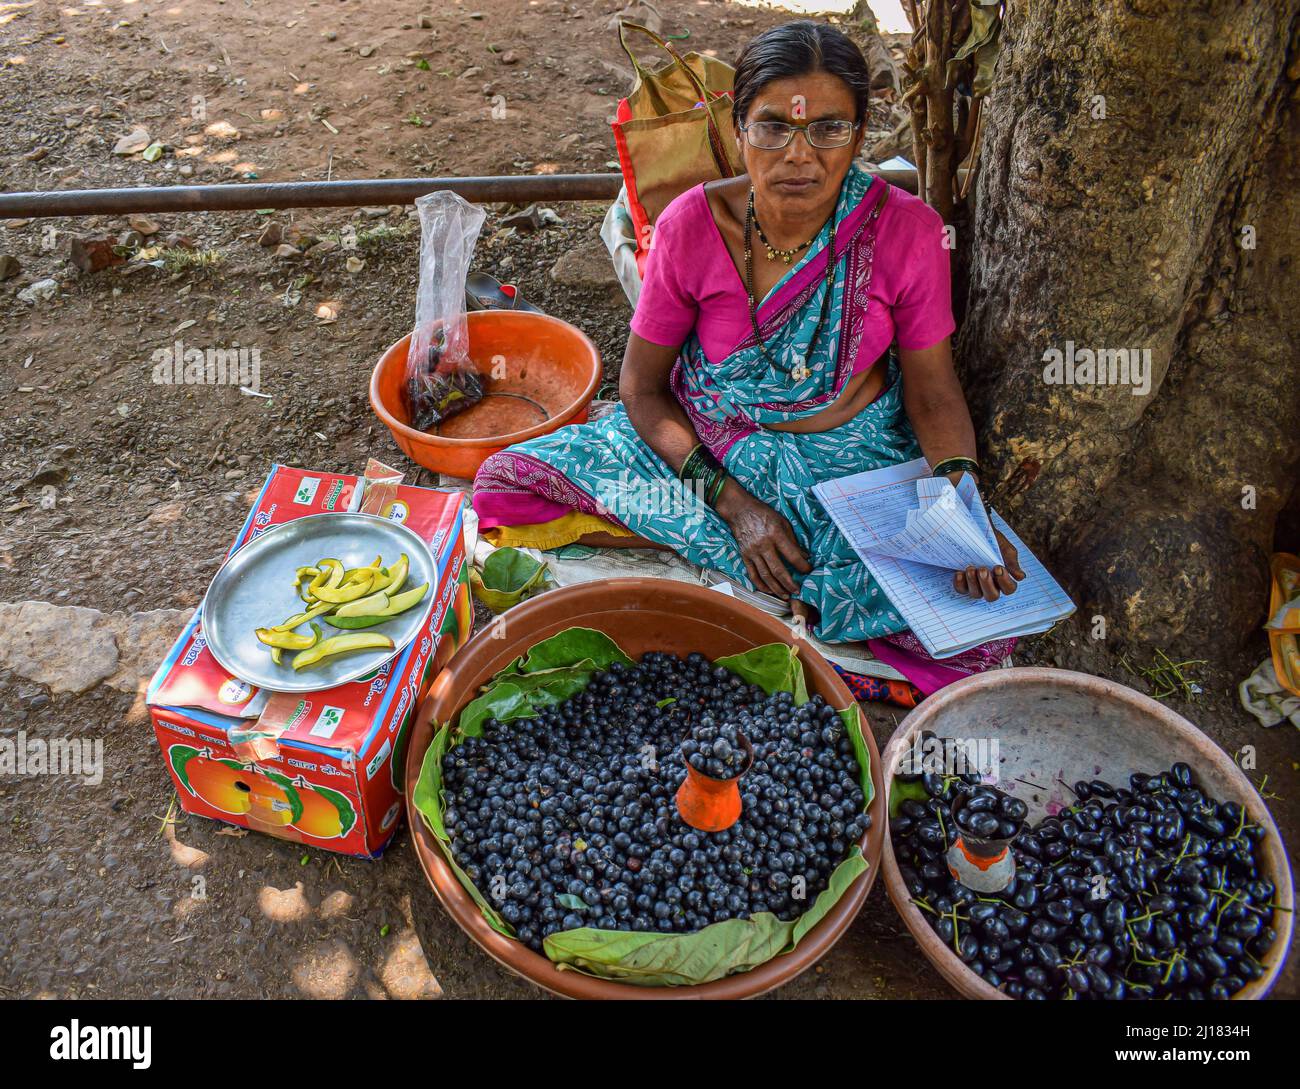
x,y
547,362
1053,724
640,614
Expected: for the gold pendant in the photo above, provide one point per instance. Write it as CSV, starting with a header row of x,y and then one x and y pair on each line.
x,y
800,371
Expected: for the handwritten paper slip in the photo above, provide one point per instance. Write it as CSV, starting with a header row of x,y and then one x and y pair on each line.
x,y
913,530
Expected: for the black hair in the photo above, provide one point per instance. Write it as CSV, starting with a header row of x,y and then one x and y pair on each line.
x,y
799,48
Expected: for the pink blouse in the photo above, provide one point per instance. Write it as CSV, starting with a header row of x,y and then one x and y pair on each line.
x,y
691,282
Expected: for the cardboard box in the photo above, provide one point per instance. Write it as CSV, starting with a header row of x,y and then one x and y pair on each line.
x,y
324,768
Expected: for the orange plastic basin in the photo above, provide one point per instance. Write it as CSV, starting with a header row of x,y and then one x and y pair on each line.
x,y
526,360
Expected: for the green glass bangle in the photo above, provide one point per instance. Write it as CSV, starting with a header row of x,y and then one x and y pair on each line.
x,y
703,485
687,464
702,473
715,489
954,465
699,463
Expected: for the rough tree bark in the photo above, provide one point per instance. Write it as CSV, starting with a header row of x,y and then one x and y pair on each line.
x,y
1134,154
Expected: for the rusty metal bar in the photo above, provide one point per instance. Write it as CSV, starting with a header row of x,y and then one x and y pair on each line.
x,y
503,189
332,194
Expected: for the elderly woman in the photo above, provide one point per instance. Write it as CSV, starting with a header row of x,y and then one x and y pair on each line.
x,y
762,361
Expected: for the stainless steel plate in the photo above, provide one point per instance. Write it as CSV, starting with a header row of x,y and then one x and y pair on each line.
x,y
255,590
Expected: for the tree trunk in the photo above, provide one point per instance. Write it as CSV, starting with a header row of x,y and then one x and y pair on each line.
x,y
1139,189
863,26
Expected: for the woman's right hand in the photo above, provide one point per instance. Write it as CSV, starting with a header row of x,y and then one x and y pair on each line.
x,y
766,540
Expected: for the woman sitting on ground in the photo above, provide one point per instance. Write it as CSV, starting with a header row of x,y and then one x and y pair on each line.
x,y
760,361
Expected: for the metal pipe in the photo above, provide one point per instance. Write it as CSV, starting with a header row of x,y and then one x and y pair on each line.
x,y
501,189
332,194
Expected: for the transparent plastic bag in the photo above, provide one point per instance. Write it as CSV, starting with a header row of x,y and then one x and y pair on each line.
x,y
440,379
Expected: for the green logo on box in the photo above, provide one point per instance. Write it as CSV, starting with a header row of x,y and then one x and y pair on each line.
x,y
327,721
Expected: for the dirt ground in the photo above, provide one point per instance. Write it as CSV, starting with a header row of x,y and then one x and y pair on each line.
x,y
122,494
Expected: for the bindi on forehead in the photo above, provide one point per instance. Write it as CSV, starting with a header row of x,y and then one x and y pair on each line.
x,y
797,108
817,96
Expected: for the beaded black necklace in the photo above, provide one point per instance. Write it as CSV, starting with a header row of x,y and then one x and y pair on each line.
x,y
800,370
773,252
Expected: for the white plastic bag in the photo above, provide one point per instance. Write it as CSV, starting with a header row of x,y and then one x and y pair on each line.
x,y
619,236
440,379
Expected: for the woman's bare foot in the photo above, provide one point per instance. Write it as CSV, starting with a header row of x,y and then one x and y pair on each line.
x,y
805,615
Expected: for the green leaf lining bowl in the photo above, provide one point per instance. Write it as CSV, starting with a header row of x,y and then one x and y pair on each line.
x,y
640,614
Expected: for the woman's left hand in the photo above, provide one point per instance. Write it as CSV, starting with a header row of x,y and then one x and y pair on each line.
x,y
991,583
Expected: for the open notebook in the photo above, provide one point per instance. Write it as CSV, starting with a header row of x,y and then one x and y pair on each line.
x,y
913,530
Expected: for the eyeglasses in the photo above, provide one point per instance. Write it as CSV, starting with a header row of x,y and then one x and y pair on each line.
x,y
774,135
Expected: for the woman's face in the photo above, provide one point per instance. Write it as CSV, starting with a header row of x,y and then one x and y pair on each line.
x,y
800,176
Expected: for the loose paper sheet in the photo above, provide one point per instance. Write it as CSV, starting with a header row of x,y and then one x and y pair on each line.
x,y
913,530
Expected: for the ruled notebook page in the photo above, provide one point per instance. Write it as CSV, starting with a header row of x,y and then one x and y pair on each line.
x,y
913,531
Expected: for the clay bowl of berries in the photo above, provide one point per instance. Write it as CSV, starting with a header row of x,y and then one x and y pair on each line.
x,y
1146,866
583,761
